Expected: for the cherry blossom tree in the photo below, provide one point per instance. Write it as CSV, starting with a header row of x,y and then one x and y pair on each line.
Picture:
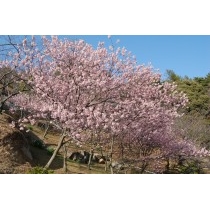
x,y
101,96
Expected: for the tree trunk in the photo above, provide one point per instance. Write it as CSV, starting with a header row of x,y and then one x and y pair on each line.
x,y
106,162
46,130
56,150
64,158
1,107
144,166
90,158
167,167
101,150
122,150
111,152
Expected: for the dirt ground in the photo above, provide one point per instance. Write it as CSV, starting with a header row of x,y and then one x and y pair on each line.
x,y
18,153
15,156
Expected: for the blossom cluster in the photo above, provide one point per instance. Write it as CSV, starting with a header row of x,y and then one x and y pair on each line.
x,y
91,92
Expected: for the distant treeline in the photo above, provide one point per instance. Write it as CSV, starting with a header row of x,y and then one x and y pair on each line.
x,y
197,90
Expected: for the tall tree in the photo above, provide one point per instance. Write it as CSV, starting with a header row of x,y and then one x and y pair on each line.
x,y
99,95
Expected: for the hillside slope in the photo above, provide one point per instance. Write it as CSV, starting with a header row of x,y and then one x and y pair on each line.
x,y
15,156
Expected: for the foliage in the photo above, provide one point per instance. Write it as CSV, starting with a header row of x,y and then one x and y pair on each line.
x,y
29,127
193,127
40,170
100,96
190,167
172,76
197,90
50,150
195,124
10,85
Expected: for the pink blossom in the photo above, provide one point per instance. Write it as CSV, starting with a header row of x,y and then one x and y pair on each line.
x,y
99,92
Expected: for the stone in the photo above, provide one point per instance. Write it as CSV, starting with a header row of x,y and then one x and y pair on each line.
x,y
101,161
96,158
86,156
117,166
76,156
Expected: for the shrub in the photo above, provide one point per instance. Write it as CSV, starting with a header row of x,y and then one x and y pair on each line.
x,y
30,127
40,170
190,167
50,150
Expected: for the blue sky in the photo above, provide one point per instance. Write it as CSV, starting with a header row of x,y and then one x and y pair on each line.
x,y
185,54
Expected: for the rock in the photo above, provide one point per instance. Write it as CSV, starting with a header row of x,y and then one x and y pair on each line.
x,y
101,161
76,156
117,166
96,158
86,156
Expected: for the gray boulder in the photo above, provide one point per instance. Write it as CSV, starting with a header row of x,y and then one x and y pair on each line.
x,y
76,156
86,156
101,161
117,166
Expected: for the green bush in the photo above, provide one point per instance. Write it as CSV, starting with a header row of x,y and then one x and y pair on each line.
x,y
192,167
40,170
30,127
50,150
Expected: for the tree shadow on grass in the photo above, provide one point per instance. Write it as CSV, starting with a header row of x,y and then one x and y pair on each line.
x,y
40,154
41,157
